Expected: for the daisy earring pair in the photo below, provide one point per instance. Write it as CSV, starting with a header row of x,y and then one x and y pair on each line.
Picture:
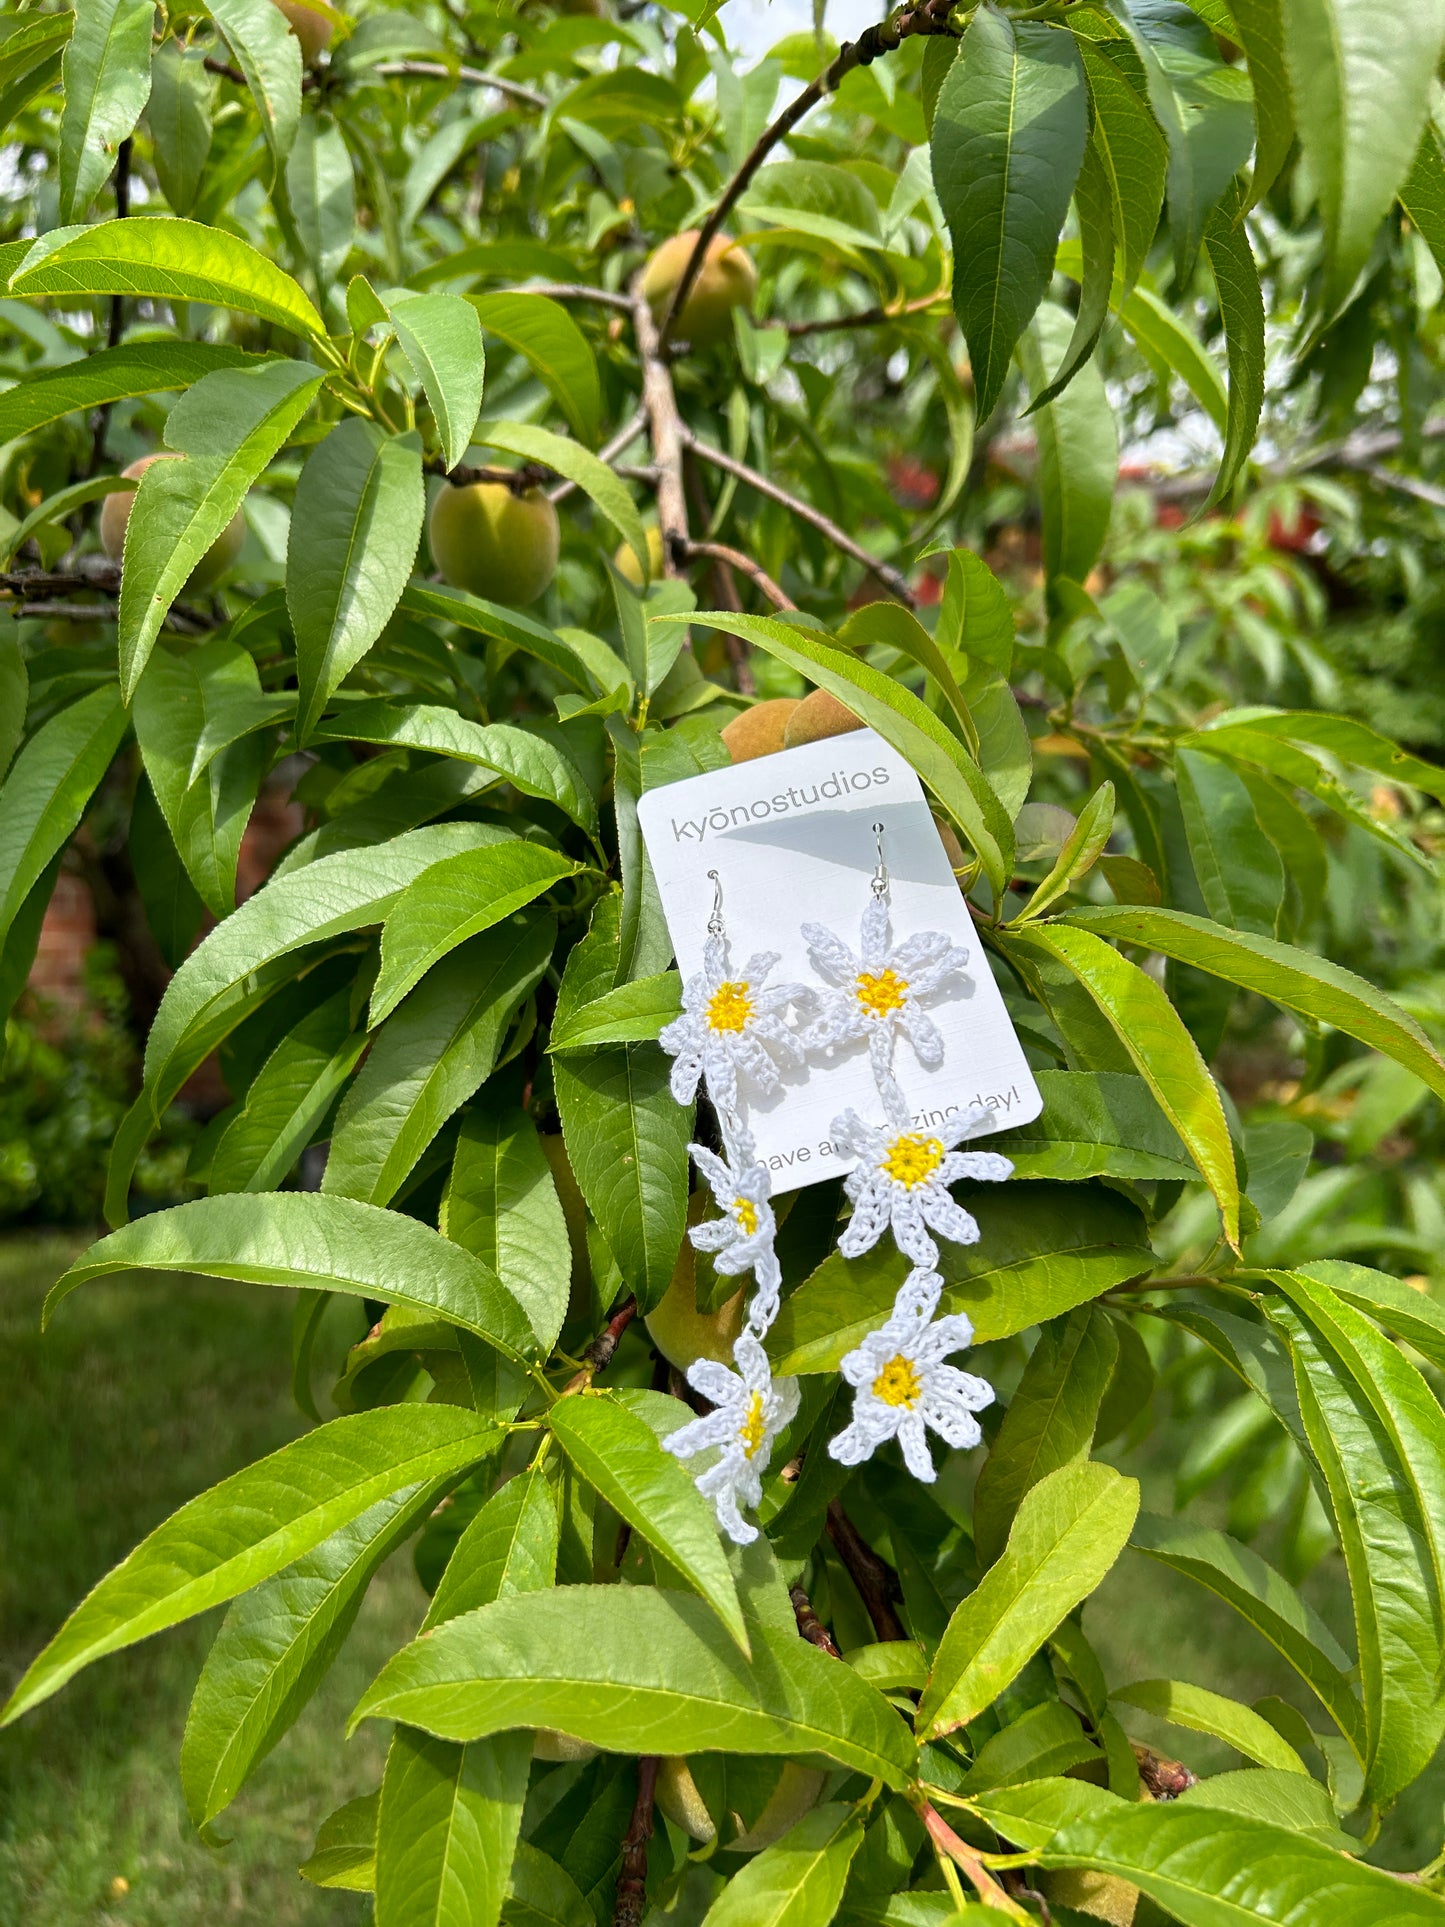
x,y
732,1034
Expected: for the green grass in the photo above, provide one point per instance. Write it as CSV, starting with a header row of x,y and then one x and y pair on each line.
x,y
140,1395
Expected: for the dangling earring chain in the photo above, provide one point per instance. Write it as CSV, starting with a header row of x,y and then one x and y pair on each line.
x,y
732,1028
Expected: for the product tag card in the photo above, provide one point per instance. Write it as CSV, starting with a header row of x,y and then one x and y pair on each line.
x,y
791,838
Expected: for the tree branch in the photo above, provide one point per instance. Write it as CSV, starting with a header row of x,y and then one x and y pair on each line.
x,y
809,1624
669,437
115,324
609,451
896,584
573,291
931,16
598,1355
962,1855
754,571
632,1878
875,1579
473,76
869,318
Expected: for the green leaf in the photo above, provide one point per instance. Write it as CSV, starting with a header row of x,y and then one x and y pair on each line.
x,y
1212,1869
1258,25
433,1052
585,662
639,1671
178,115
312,1240
1164,340
542,1894
1423,195
509,1547
1205,1712
447,1828
166,260
269,55
891,626
1342,736
1293,1801
1360,79
111,374
1376,1430
1296,979
1153,1034
621,1457
1078,451
14,698
549,339
1267,1600
1133,153
501,1204
345,1851
456,899
799,1880
1241,307
252,1525
246,958
943,764
1044,1741
1081,851
1096,1124
30,59
634,1013
289,1098
207,814
106,74
1407,1313
530,763
596,480
1049,1422
321,189
442,339
276,1645
1239,871
976,616
354,534
48,789
227,427
1067,1533
1094,210
1042,1250
1009,132
627,1139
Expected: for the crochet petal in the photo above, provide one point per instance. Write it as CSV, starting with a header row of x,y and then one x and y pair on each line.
x,y
686,1070
852,1445
962,1390
758,966
914,1441
829,955
875,933
924,1035
714,1428
720,1178
925,957
714,1381
987,1165
713,1234
949,1220
910,1214
953,1424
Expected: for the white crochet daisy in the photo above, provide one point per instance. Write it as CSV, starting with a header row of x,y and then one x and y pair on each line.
x,y
902,1178
903,1387
877,994
731,1024
742,1238
751,1410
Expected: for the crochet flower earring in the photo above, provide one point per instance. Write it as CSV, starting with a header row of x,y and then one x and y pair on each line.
x,y
732,1031
902,1386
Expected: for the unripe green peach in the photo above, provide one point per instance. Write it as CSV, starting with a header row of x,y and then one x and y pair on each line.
x,y
819,714
726,280
115,516
760,730
625,562
494,543
312,29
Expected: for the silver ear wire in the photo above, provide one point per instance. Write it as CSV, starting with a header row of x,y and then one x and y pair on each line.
x,y
880,874
715,921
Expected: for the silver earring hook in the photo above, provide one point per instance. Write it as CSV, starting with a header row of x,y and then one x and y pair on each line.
x,y
880,875
715,921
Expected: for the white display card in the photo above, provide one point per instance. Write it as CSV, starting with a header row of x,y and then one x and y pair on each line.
x,y
791,838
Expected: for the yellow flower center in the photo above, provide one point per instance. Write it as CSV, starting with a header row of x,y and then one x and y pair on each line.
x,y
880,996
911,1161
753,1426
898,1383
746,1213
729,1007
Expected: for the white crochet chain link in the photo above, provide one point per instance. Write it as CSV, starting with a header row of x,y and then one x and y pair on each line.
x,y
733,1028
